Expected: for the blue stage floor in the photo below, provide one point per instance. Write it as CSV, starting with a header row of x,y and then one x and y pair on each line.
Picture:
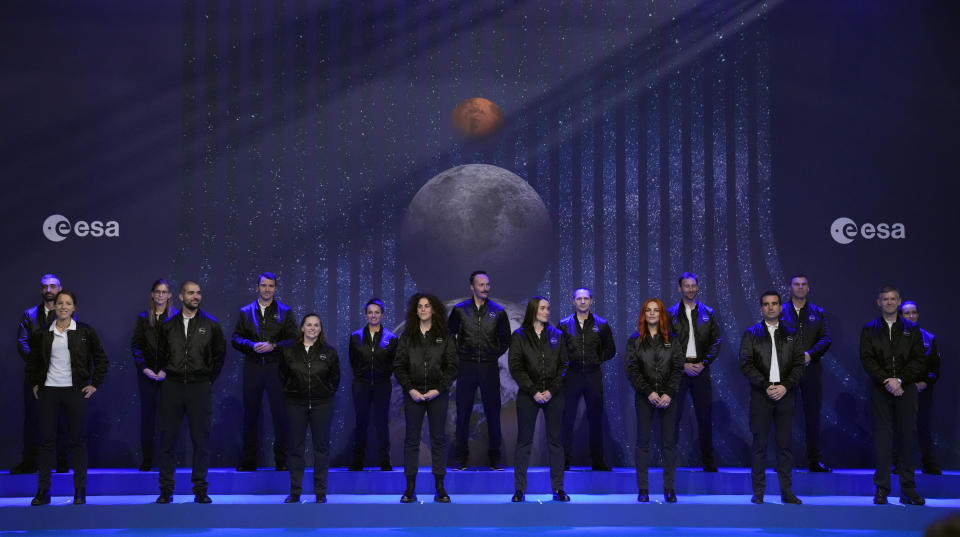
x,y
471,532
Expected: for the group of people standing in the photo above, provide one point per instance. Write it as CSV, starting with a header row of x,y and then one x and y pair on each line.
x,y
180,353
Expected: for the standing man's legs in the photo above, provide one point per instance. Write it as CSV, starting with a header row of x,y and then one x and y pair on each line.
x,y
574,386
811,396
593,400
199,413
468,380
281,427
254,383
490,395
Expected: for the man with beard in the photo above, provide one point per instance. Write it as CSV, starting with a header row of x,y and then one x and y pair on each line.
x,y
194,350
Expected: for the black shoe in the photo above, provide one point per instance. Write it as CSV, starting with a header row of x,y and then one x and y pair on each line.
x,y
496,466
24,468
818,466
63,468
292,498
201,497
246,467
409,494
321,498
929,468
80,496
145,466
459,466
910,497
282,467
710,467
517,496
42,497
441,496
601,467
408,497
165,497
385,467
669,495
560,496
757,499
643,496
790,498
880,498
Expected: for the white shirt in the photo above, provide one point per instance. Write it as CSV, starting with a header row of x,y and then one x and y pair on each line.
x,y
60,374
890,329
186,323
691,343
774,364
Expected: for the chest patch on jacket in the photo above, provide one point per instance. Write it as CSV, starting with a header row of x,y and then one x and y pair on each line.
x,y
201,330
813,318
439,340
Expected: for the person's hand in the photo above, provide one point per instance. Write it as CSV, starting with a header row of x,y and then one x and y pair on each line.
x,y
806,358
921,386
36,390
263,347
692,370
654,399
161,375
776,392
431,395
547,396
417,396
88,390
893,386
664,401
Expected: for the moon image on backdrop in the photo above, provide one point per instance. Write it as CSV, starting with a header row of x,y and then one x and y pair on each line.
x,y
477,217
477,118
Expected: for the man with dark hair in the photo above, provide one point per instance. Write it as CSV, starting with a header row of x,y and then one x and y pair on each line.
x,y
891,351
263,328
482,333
589,344
698,332
772,360
909,311
193,349
813,338
36,318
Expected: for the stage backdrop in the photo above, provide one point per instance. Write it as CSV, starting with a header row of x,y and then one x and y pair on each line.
x,y
740,140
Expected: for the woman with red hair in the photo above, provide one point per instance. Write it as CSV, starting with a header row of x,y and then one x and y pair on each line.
x,y
654,366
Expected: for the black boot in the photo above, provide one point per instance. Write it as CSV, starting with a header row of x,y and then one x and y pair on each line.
x,y
441,496
409,494
42,497
80,496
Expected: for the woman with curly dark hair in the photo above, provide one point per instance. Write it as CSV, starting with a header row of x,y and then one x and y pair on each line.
x,y
145,347
310,375
538,362
66,367
654,365
425,367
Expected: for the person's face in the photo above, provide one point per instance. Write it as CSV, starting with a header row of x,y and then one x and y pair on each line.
x,y
424,310
889,302
651,314
582,301
480,286
799,287
311,327
689,288
49,287
266,289
64,307
770,307
543,311
910,313
160,296
374,315
191,296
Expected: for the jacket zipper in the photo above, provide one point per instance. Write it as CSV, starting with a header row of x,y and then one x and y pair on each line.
x,y
309,383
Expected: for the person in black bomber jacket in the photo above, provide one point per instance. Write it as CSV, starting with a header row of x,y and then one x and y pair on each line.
x,y
909,311
654,365
264,327
372,351
310,375
589,344
891,351
145,347
425,367
192,350
772,360
538,362
66,367
698,333
482,333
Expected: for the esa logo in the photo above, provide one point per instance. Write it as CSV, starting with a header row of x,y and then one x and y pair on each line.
x,y
844,230
56,228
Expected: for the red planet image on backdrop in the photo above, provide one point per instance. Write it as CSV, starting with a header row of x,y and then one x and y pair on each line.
x,y
477,118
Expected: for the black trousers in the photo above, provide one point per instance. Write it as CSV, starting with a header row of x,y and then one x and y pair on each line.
x,y
811,399
700,389
52,403
763,411
668,437
589,385
31,433
485,376
436,411
316,415
372,399
894,420
259,378
149,397
925,426
527,410
195,401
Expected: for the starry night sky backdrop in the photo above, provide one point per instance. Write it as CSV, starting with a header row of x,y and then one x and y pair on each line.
x,y
717,137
